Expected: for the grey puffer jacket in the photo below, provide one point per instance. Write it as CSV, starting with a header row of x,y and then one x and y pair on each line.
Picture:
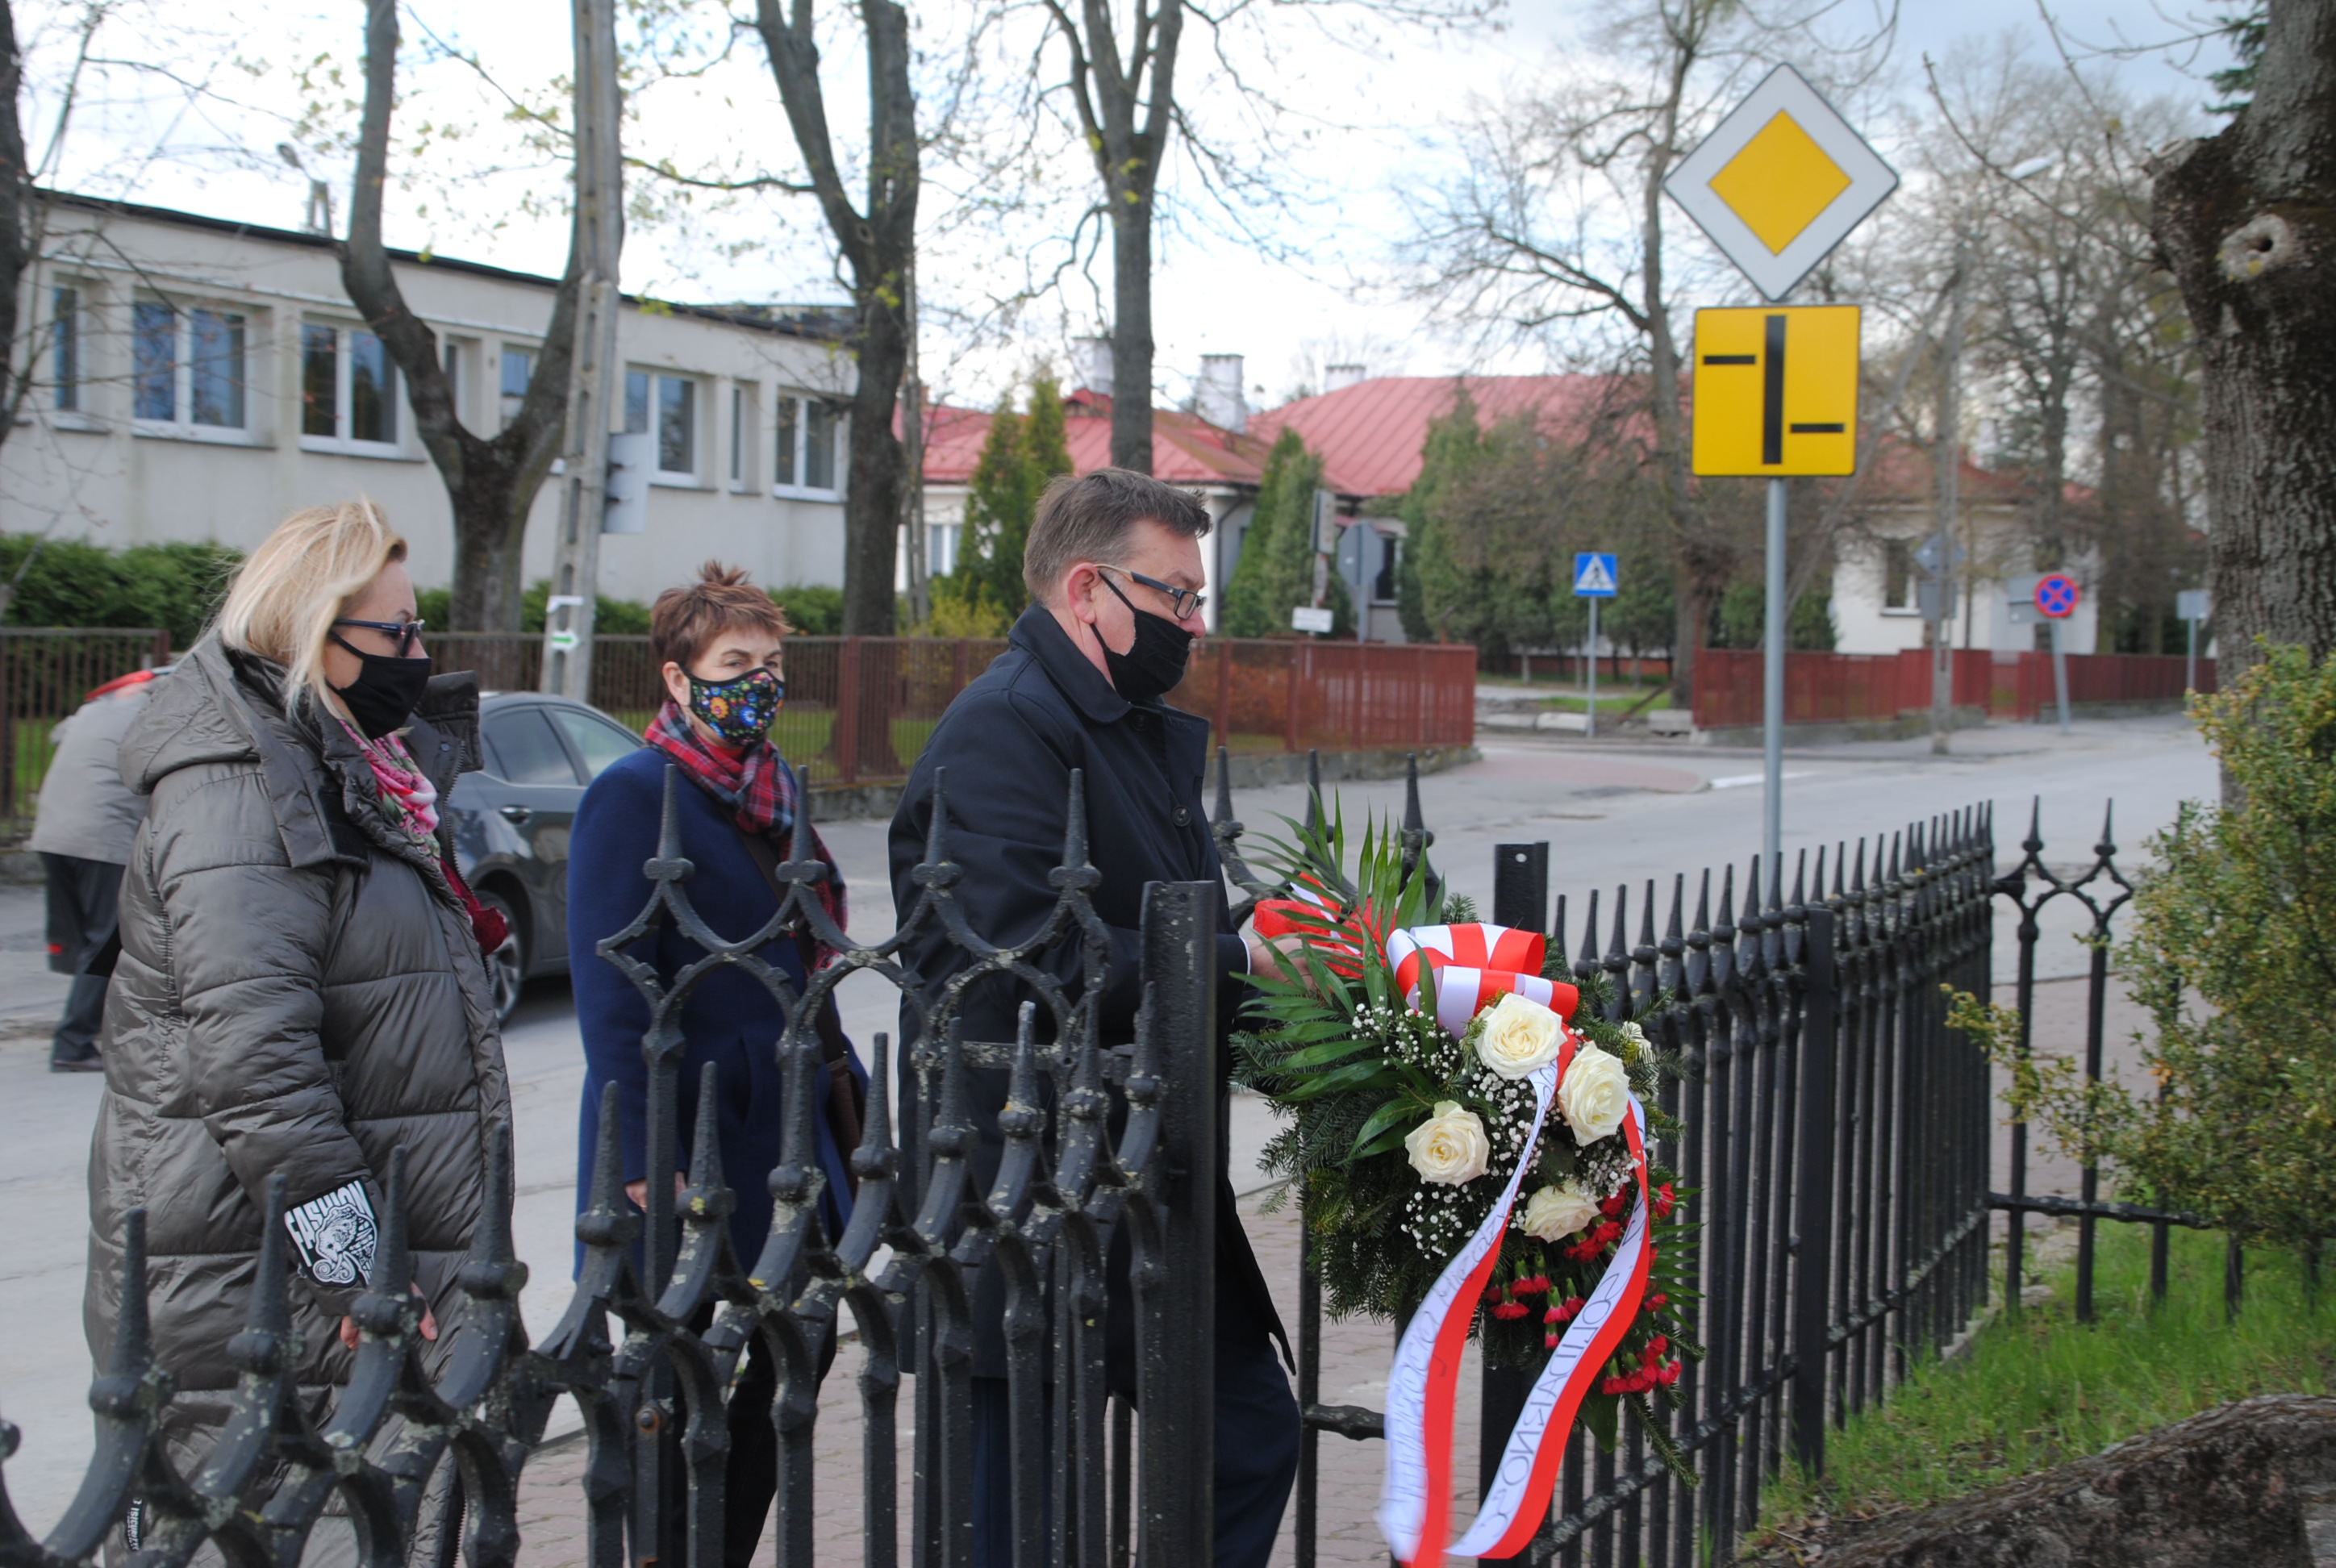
x,y
301,992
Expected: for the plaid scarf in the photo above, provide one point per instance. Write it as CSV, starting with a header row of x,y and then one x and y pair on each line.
x,y
757,786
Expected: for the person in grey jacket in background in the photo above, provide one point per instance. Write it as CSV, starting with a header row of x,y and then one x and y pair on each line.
x,y
300,989
82,831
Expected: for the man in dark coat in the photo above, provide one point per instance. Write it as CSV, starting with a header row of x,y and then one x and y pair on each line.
x,y
1114,561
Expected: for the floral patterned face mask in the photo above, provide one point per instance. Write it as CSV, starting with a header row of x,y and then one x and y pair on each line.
x,y
740,711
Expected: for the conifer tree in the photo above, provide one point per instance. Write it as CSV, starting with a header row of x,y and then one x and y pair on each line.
x,y
1276,570
984,592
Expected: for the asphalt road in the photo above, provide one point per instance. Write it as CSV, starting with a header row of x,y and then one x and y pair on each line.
x,y
1613,817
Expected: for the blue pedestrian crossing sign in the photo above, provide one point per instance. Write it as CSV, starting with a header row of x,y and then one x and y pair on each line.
x,y
1593,575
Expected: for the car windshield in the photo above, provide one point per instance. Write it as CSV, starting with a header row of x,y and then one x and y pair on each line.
x,y
595,740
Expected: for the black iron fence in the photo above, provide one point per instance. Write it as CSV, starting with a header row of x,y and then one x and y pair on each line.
x,y
1837,1143
663,1309
1837,1139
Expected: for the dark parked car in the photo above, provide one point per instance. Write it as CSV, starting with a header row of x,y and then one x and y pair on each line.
x,y
511,820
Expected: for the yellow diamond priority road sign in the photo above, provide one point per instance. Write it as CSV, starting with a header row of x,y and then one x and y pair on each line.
x,y
1781,182
1775,390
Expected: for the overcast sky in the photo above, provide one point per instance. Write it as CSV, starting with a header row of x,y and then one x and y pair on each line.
x,y
1373,131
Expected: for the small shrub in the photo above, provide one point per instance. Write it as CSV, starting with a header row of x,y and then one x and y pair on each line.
x,y
813,610
2232,950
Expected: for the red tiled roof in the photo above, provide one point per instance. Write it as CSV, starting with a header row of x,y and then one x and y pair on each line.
x,y
1369,435
1903,473
1185,448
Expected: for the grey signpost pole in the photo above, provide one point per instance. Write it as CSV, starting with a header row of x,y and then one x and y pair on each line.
x,y
1589,730
2060,672
1772,689
584,489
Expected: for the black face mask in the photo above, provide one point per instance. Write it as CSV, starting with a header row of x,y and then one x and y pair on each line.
x,y
1154,662
382,697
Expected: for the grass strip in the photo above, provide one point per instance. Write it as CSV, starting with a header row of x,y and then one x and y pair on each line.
x,y
2038,1389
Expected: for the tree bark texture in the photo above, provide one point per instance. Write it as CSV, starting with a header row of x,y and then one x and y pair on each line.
x,y
1128,152
879,247
2246,219
16,231
491,482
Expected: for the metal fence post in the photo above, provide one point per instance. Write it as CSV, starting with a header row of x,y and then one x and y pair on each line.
x,y
1520,899
1176,1500
847,711
1813,1201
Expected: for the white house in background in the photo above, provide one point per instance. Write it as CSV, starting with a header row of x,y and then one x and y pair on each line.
x,y
197,379
1876,603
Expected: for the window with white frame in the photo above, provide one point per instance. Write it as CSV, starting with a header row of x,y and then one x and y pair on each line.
x,y
1899,581
187,370
741,436
671,401
517,372
348,390
64,349
804,460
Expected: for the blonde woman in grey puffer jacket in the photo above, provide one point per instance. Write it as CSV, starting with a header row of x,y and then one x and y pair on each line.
x,y
299,988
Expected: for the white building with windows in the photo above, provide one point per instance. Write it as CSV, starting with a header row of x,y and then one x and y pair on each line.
x,y
197,379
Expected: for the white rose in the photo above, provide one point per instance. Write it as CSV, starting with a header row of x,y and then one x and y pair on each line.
x,y
1518,1037
1595,1094
1450,1146
1554,1214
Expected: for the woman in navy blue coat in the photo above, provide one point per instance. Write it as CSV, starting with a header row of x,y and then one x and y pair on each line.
x,y
719,643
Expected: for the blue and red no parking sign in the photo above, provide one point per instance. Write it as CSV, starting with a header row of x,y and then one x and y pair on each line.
x,y
2055,596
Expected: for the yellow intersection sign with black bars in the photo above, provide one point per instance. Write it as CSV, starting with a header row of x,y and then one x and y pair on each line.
x,y
1775,390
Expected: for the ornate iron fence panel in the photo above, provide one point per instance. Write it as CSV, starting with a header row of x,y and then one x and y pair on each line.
x,y
1836,1143
663,1309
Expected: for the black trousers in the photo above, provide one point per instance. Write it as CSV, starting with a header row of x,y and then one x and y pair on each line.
x,y
84,907
1256,1456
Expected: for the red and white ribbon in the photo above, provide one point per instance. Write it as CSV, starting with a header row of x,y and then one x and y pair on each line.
x,y
1423,1384
1474,966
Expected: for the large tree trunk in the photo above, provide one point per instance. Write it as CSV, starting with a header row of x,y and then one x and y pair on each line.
x,y
879,248
2247,222
491,483
1131,327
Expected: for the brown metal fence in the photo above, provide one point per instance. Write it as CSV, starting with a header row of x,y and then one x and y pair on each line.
x,y
859,708
45,673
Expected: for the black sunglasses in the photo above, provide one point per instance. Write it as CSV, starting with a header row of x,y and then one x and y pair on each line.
x,y
406,632
1177,597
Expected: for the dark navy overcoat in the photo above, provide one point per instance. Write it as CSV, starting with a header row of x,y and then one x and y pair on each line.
x,y
731,1020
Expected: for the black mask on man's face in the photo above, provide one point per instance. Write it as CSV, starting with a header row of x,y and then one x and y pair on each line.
x,y
382,697
1154,662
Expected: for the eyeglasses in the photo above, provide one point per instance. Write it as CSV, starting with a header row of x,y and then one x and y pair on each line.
x,y
1186,601
406,632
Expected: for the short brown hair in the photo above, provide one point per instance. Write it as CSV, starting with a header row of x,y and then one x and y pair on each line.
x,y
1087,518
685,619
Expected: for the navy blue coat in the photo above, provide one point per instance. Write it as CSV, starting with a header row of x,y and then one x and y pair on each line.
x,y
1009,742
731,1019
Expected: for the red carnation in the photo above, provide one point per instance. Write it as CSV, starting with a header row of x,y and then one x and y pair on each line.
x,y
1657,1300
1612,1207
1664,1202
1668,1375
1656,1346
1509,1311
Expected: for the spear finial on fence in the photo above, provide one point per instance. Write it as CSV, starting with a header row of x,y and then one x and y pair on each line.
x,y
1557,933
1725,930
1586,964
1801,877
2034,842
873,1160
492,1271
1857,882
1223,814
2108,846
611,1221
1895,841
